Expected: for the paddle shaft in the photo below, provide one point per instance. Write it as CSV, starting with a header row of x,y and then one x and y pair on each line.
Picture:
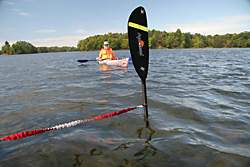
x,y
84,61
144,90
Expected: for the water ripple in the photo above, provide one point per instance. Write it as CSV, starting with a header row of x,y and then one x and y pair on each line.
x,y
199,110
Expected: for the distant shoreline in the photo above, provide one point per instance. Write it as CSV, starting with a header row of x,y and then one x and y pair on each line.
x,y
157,40
5,55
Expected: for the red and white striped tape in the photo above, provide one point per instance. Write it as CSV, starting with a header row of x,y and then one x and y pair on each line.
x,y
33,132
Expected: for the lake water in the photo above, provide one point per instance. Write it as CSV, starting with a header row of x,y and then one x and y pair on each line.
x,y
199,108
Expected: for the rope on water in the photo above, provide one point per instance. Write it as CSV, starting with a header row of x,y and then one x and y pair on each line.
x,y
33,132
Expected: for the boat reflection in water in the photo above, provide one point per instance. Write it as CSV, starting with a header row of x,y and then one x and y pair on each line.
x,y
104,67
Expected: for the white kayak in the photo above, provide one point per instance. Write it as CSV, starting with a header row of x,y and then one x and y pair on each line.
x,y
120,63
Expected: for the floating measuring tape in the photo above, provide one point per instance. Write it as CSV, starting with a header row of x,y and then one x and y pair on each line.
x,y
33,132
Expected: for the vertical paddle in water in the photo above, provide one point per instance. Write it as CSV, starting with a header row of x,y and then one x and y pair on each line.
x,y
138,44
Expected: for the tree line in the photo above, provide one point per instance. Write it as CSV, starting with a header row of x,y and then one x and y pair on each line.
x,y
157,39
163,39
23,47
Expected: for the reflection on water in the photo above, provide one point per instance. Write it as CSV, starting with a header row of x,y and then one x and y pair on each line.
x,y
78,161
104,67
148,150
198,110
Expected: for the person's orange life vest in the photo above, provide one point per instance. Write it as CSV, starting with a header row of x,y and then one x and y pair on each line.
x,y
107,54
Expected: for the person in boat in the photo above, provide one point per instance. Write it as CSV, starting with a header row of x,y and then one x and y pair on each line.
x,y
106,53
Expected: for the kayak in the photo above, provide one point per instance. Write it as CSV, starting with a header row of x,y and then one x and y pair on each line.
x,y
119,63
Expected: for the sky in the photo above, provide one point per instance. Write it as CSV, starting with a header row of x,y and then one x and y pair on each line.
x,y
65,22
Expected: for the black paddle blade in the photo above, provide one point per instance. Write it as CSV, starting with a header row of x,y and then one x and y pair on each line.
x,y
82,61
138,41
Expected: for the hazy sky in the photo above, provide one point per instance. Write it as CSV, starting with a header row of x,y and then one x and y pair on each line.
x,y
65,22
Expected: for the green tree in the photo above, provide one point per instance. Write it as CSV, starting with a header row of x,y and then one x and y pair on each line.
x,y
124,44
187,40
22,47
178,39
199,41
170,40
7,49
42,50
219,41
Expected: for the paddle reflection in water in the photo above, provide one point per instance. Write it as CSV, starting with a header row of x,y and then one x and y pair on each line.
x,y
132,152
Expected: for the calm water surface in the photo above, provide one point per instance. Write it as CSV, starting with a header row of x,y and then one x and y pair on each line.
x,y
199,106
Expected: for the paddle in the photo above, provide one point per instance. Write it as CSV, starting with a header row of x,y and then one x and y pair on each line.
x,y
84,61
138,44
